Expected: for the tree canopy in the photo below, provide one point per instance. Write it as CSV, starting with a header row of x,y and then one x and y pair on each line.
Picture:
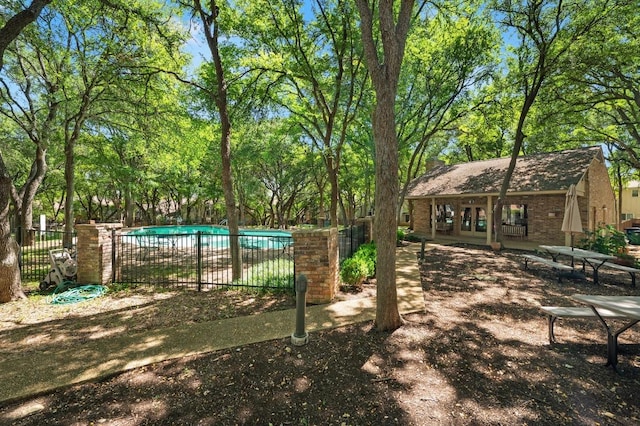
x,y
273,121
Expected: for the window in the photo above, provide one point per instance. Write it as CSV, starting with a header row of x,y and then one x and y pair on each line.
x,y
514,214
444,213
634,192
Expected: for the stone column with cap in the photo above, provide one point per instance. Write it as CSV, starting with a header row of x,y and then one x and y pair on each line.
x,y
316,256
95,252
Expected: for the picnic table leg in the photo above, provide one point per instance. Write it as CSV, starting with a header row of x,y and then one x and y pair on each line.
x,y
612,350
612,353
595,271
612,339
595,268
552,336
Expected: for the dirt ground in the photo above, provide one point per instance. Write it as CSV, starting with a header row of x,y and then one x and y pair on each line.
x,y
478,355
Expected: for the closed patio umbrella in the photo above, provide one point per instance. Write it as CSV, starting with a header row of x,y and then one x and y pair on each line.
x,y
572,222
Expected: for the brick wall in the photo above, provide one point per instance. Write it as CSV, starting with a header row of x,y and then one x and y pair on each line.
x,y
545,214
316,256
602,203
95,248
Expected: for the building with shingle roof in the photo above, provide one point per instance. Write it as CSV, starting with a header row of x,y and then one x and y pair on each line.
x,y
458,199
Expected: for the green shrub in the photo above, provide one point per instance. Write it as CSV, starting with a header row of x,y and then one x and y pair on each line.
x,y
274,274
367,253
400,235
606,239
353,272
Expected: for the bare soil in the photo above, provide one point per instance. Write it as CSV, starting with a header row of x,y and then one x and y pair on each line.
x,y
478,355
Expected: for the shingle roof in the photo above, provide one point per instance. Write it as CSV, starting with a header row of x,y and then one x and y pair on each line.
x,y
554,171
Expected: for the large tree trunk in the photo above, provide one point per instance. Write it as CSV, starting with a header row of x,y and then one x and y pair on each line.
x,y
129,207
320,185
69,217
384,134
211,30
230,201
28,194
10,284
333,181
385,72
70,166
517,146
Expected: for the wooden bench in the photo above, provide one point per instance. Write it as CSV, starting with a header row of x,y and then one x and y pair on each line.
x,y
555,312
559,267
629,269
514,231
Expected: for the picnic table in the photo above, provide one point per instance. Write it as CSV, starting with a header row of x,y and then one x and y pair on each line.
x,y
626,307
591,258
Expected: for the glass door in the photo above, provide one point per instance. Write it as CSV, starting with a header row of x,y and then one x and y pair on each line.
x,y
473,221
466,219
481,220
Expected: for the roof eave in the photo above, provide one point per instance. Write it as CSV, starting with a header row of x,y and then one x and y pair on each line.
x,y
485,194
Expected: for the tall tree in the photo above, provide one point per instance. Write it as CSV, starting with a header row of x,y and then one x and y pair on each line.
x,y
448,58
309,63
112,72
391,27
543,31
210,21
10,285
606,64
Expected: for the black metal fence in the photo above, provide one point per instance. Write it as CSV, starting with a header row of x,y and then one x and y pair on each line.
x,y
35,251
202,260
199,260
349,239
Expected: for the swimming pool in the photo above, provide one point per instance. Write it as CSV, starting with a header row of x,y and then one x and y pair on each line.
x,y
207,236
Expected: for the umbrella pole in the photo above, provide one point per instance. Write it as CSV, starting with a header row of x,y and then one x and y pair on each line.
x,y
572,265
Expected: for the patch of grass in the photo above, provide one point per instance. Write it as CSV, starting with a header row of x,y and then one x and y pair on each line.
x,y
271,274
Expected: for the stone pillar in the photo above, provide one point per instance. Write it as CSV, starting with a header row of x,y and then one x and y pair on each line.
x,y
316,256
94,252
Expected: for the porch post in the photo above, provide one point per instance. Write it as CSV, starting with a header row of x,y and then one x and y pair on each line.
x,y
434,211
489,219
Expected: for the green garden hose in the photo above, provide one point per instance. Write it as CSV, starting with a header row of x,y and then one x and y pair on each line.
x,y
76,294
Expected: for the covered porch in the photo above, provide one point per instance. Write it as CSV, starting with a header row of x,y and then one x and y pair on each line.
x,y
514,244
471,217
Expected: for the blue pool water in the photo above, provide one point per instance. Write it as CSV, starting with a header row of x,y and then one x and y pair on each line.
x,y
210,236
